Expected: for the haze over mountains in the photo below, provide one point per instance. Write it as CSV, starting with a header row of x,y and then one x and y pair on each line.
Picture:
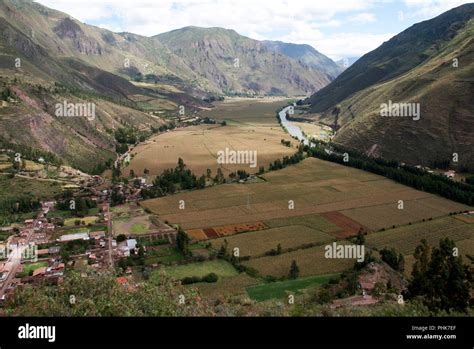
x,y
430,63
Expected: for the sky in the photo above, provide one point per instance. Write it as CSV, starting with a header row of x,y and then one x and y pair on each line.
x,y
337,28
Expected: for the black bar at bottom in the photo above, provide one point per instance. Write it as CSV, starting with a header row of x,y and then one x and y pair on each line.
x,y
449,332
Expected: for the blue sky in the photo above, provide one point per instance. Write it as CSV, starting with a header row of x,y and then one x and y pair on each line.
x,y
337,28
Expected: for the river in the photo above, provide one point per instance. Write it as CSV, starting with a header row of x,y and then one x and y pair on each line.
x,y
293,130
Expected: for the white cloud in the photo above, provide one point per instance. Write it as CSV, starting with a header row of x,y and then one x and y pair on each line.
x,y
339,45
300,21
363,17
431,8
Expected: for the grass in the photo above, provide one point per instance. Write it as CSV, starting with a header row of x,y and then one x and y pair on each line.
x,y
32,188
132,225
69,222
164,255
138,228
27,268
280,289
219,267
231,285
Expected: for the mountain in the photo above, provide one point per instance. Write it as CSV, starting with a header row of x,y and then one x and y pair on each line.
x,y
346,62
233,63
306,54
430,63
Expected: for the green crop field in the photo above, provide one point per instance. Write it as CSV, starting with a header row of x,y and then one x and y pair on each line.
x,y
219,267
281,289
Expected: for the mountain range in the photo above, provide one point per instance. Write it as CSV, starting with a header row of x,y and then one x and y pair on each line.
x,y
48,57
429,64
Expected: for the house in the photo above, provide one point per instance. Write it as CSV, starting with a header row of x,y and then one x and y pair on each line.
x,y
122,280
450,173
43,251
40,271
131,244
125,251
54,249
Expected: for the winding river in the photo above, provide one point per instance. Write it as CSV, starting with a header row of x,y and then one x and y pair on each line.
x,y
293,130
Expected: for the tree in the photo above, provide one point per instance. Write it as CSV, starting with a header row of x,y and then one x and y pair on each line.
x,y
390,257
278,250
121,237
155,298
360,238
441,280
182,240
294,270
210,278
223,250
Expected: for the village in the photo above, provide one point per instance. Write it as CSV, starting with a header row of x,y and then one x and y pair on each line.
x,y
60,238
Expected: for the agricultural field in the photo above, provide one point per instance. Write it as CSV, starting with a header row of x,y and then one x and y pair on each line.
x,y
131,219
257,130
406,238
331,202
258,243
247,111
219,267
231,285
69,222
316,188
281,289
18,186
311,261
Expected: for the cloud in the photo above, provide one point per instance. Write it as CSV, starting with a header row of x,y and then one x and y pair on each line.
x,y
313,22
363,17
430,8
339,45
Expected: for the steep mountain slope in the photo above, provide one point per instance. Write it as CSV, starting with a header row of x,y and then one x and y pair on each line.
x,y
307,55
401,53
416,66
234,63
63,36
